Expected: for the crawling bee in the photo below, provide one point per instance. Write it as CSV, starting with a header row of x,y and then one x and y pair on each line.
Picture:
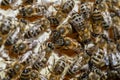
x,y
65,29
25,75
43,55
114,33
97,74
58,68
6,27
18,49
6,4
27,2
37,29
11,39
85,9
98,59
77,21
13,71
74,68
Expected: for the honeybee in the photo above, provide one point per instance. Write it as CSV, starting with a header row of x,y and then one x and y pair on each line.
x,y
77,21
11,39
37,29
25,75
44,53
114,33
58,68
27,2
74,68
14,71
65,29
6,4
98,59
54,22
34,75
85,9
6,26
97,74
97,16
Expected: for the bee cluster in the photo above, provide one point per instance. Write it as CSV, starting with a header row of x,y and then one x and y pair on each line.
x,y
84,34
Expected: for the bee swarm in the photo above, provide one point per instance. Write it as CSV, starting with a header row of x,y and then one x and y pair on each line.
x,y
59,39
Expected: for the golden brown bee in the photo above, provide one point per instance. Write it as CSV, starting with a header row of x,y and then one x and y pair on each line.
x,y
14,71
6,4
38,28
67,46
58,68
65,29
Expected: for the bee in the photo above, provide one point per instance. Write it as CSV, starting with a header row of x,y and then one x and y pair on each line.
x,y
19,48
14,71
85,9
97,16
34,75
37,29
114,33
97,74
54,22
44,53
65,29
6,26
74,68
6,4
58,68
1,41
25,74
77,21
11,39
98,59
97,30
27,2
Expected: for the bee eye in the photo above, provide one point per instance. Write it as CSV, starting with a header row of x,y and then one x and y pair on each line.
x,y
67,42
62,30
